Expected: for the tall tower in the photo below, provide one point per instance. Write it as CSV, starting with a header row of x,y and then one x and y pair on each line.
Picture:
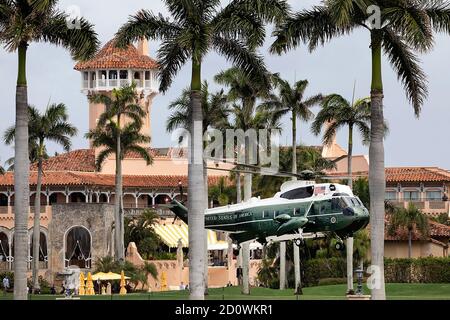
x,y
113,68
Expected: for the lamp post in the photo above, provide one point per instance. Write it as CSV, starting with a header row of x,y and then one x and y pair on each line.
x,y
359,275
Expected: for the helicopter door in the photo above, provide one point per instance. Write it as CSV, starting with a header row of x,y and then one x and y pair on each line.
x,y
322,214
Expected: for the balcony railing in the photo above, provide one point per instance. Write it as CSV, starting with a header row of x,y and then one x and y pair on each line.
x,y
114,83
163,212
427,206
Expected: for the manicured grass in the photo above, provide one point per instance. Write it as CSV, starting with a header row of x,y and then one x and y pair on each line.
x,y
395,291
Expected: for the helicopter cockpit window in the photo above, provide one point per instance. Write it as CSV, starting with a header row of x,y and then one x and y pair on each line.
x,y
337,204
299,193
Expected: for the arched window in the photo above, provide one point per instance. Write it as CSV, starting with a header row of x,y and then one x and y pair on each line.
x,y
78,247
43,256
77,197
103,198
162,199
3,200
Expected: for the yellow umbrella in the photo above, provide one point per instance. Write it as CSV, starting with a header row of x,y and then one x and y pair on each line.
x,y
107,276
89,285
163,281
122,284
98,276
81,289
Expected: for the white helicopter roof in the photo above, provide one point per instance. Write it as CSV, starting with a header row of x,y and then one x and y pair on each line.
x,y
320,190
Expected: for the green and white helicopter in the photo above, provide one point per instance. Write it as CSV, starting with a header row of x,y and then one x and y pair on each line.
x,y
299,207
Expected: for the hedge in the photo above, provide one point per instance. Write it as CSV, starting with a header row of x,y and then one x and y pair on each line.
x,y
421,270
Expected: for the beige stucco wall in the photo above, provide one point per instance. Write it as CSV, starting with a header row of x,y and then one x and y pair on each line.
x,y
399,249
160,166
176,273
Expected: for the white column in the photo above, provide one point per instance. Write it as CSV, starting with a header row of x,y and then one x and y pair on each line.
x,y
136,197
282,265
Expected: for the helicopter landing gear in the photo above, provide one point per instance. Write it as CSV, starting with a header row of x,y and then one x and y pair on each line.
x,y
299,242
339,245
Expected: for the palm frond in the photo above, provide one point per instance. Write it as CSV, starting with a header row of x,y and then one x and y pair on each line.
x,y
312,27
406,65
148,25
82,41
171,57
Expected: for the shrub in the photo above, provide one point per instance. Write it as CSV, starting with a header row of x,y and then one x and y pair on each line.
x,y
421,270
322,268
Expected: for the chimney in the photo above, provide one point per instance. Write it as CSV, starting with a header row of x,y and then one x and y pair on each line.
x,y
143,47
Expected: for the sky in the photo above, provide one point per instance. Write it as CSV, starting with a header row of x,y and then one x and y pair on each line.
x,y
334,68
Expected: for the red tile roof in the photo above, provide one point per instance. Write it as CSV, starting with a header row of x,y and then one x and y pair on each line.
x,y
103,180
416,174
408,174
82,160
437,230
110,57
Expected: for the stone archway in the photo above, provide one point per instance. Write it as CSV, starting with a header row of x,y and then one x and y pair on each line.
x,y
78,247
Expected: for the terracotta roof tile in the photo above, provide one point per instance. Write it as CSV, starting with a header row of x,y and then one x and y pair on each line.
x,y
408,174
51,178
437,230
110,57
416,174
82,160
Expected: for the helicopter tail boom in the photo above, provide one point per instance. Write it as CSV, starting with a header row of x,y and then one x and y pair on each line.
x,y
179,210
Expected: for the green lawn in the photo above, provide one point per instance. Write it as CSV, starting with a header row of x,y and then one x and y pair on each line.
x,y
394,291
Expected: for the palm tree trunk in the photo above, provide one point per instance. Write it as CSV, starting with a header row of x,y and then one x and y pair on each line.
x,y
118,199
21,176
350,156
294,144
376,170
282,265
297,285
409,244
37,224
196,194
349,252
298,277
349,245
205,179
246,246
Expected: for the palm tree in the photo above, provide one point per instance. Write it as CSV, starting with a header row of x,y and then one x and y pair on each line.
x,y
149,269
215,114
336,113
140,231
247,89
291,99
51,126
215,110
400,29
22,23
118,139
196,28
411,219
